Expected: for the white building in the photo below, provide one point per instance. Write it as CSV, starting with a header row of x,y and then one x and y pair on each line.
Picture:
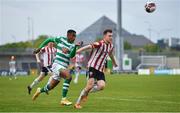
x,y
173,42
170,42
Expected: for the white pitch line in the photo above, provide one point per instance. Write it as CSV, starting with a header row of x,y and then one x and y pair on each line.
x,y
125,99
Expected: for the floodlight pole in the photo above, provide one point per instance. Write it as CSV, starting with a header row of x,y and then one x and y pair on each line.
x,y
29,29
119,39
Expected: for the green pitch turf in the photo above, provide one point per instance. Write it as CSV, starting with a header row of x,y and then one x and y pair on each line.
x,y
122,93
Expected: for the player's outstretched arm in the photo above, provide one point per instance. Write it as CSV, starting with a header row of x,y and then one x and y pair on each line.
x,y
73,52
43,44
84,48
46,42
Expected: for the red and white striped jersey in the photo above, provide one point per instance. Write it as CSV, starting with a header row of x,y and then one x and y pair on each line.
x,y
48,55
99,55
79,59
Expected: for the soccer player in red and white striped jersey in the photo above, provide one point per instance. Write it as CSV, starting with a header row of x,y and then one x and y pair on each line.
x,y
48,54
96,64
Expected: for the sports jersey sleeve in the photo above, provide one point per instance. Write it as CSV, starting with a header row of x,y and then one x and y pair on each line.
x,y
73,51
57,40
43,50
46,42
52,39
96,44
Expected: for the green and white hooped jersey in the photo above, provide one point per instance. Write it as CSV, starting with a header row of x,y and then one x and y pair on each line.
x,y
63,58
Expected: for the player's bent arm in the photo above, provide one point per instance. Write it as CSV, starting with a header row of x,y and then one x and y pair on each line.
x,y
73,52
54,40
113,59
46,42
38,58
84,48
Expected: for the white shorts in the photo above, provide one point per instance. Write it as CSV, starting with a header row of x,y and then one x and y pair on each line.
x,y
56,68
12,71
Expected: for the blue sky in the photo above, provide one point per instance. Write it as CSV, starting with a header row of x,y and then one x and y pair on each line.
x,y
54,17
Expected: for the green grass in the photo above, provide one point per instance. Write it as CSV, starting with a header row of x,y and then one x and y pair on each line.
x,y
122,93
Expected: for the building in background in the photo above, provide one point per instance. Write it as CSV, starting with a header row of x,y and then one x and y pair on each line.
x,y
169,42
95,31
25,61
174,42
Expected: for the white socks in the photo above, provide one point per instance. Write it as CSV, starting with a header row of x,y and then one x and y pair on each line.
x,y
83,93
94,89
35,82
76,78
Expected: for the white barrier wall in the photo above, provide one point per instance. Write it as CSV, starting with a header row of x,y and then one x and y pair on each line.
x,y
143,71
159,72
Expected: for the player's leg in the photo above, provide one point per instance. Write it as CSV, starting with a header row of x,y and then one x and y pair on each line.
x,y
14,74
43,73
77,72
58,72
10,74
53,82
66,84
93,74
36,81
55,79
84,93
100,85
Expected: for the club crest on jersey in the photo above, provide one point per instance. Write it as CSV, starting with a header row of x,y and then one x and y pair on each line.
x,y
65,50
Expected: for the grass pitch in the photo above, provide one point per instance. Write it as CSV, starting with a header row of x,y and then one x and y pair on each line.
x,y
123,93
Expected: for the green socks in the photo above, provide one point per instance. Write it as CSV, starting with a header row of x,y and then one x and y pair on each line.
x,y
46,88
65,87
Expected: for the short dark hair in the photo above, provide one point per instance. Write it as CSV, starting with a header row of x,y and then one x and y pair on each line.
x,y
107,31
71,31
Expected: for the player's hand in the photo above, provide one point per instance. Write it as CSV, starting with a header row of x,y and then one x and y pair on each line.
x,y
36,51
115,65
115,68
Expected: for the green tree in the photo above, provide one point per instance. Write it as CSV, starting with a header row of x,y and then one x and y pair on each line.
x,y
39,40
152,48
127,45
98,39
23,45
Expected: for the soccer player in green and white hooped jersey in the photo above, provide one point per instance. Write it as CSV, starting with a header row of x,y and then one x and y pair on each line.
x,y
66,49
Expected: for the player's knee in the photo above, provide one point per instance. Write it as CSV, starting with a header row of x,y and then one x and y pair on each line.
x,y
53,83
70,78
101,86
52,86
